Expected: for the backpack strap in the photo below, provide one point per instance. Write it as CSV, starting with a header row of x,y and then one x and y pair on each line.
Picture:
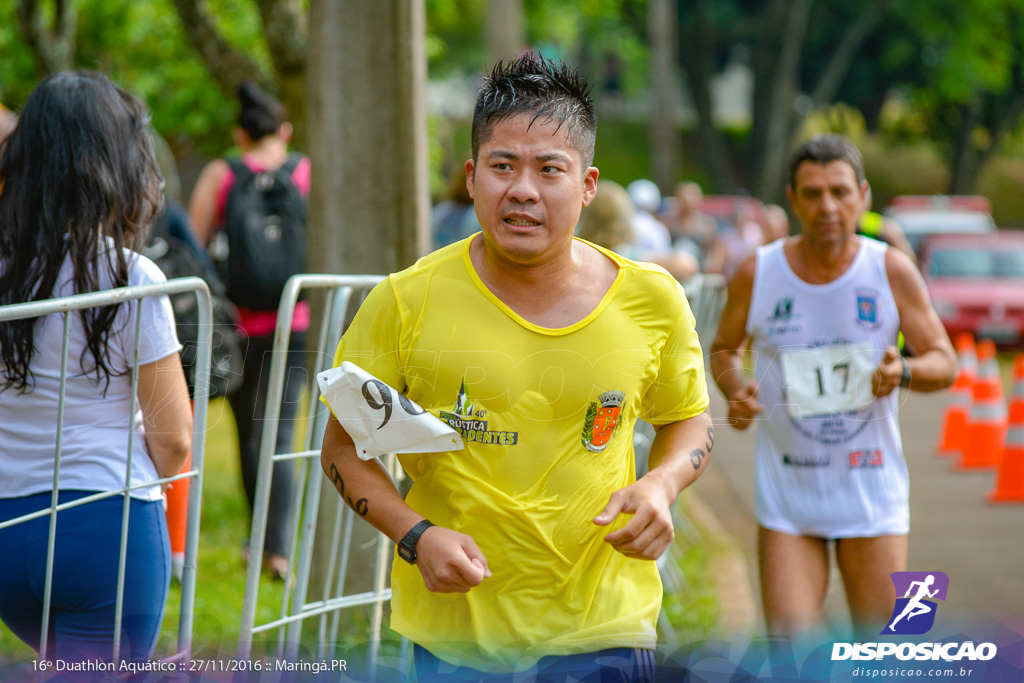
x,y
294,159
239,168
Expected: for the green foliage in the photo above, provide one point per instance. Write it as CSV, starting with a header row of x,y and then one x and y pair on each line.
x,y
143,47
18,75
1001,181
455,42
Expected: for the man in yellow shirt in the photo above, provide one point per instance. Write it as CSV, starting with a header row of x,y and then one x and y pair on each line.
x,y
543,351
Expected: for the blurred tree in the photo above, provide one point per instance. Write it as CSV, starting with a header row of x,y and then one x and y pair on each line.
x,y
775,35
52,42
285,33
664,84
141,45
958,63
973,93
506,35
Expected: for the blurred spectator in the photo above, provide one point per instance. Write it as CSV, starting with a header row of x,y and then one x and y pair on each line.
x,y
454,218
775,223
735,242
883,229
650,232
608,222
692,230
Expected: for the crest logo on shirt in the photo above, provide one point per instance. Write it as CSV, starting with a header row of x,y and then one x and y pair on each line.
x,y
468,420
601,419
867,308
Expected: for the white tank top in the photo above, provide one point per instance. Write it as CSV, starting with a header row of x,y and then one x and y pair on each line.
x,y
829,461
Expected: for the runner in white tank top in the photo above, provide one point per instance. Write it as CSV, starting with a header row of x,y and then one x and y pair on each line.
x,y
834,473
823,311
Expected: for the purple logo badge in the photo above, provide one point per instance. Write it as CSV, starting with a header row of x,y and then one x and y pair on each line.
x,y
914,613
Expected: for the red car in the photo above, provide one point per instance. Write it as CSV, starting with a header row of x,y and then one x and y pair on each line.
x,y
976,282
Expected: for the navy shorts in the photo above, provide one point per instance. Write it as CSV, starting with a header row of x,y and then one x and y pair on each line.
x,y
615,665
84,590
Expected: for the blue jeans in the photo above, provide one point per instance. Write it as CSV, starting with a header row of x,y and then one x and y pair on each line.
x,y
84,590
615,665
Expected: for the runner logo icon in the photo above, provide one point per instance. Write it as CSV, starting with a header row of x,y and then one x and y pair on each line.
x,y
914,613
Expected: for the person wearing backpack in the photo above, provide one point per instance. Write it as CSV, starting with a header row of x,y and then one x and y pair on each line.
x,y
250,213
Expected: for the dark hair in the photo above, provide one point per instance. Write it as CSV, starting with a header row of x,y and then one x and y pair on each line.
x,y
538,86
261,114
826,148
77,170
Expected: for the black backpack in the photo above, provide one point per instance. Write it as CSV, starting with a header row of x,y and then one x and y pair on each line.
x,y
265,226
177,256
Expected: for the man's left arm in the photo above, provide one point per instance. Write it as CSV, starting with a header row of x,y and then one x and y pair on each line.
x,y
934,365
678,456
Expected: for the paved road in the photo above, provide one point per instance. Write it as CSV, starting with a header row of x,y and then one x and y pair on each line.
x,y
953,528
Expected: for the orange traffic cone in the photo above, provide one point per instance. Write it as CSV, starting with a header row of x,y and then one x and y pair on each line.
x,y
954,426
1010,480
177,519
986,429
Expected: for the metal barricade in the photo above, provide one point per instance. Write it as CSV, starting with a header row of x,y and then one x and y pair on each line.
x,y
706,293
295,609
66,306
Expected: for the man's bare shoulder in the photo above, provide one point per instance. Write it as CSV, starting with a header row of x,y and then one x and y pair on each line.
x,y
901,270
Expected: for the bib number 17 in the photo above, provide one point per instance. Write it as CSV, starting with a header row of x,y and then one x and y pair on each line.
x,y
827,379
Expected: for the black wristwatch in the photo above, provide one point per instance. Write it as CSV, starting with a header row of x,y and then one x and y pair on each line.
x,y
905,377
407,546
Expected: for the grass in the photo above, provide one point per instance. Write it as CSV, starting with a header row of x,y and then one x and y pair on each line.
x,y
693,611
221,578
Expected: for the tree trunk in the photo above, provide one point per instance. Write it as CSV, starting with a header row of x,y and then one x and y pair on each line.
x,y
228,66
963,168
782,118
839,64
664,138
370,204
697,57
505,27
53,47
285,27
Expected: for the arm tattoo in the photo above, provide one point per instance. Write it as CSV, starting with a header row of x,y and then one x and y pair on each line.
x,y
697,455
360,505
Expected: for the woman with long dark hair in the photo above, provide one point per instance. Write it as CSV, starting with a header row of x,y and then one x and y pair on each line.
x,y
80,188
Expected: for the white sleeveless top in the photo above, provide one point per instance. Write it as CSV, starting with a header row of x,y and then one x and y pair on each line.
x,y
829,461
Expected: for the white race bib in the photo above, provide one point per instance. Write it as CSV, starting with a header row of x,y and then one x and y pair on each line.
x,y
827,379
379,419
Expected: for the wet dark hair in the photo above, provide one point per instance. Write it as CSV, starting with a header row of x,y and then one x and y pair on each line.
x,y
826,148
260,114
78,169
547,90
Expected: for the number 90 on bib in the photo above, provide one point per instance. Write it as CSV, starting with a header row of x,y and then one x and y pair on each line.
x,y
827,379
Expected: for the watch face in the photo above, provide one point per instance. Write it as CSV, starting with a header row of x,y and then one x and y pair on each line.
x,y
407,553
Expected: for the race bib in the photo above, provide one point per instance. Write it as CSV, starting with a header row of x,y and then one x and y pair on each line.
x,y
827,379
380,419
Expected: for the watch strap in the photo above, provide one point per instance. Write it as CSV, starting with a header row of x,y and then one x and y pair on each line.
x,y
407,546
905,377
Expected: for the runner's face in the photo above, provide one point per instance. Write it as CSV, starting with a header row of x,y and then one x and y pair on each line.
x,y
529,186
827,200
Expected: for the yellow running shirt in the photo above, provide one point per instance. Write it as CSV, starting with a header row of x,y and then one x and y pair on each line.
x,y
547,416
